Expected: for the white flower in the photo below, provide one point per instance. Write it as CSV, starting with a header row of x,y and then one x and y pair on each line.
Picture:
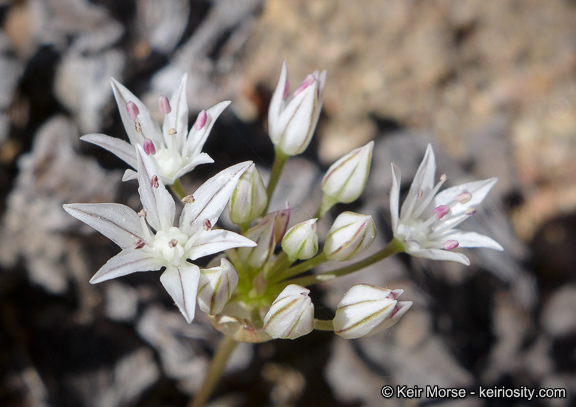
x,y
301,241
291,314
149,240
216,287
366,310
426,222
249,199
351,234
175,151
346,178
292,121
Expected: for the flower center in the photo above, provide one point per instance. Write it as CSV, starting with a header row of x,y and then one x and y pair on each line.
x,y
167,162
170,245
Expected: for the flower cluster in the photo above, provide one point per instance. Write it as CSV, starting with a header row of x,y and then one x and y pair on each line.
x,y
258,290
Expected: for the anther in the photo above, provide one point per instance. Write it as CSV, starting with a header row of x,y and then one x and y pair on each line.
x,y
464,197
154,181
207,224
443,178
470,211
188,199
173,243
450,244
164,105
133,110
149,147
419,193
138,244
441,211
172,131
138,126
142,213
201,120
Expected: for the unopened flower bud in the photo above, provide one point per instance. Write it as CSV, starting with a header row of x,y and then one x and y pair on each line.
x,y
346,178
292,120
366,310
301,241
249,199
265,235
350,235
216,287
291,314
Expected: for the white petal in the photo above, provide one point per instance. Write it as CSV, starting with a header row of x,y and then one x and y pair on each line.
x,y
276,105
118,223
157,201
478,190
437,254
181,283
201,158
212,196
473,239
424,178
196,138
129,175
214,241
178,117
123,150
395,195
298,131
150,128
126,262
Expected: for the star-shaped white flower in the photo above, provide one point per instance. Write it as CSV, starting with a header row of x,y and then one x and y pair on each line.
x,y
174,150
426,222
149,240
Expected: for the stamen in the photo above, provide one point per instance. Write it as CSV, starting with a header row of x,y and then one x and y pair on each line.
x,y
188,199
450,244
207,224
464,197
172,131
154,181
419,193
133,110
470,211
441,211
149,147
137,126
201,120
142,213
139,244
429,196
173,243
164,105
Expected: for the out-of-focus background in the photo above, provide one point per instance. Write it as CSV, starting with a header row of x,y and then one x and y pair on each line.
x,y
492,85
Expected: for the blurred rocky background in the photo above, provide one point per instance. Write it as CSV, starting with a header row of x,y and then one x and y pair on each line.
x,y
491,84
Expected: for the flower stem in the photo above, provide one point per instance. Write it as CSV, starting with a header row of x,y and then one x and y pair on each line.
x,y
323,325
395,246
279,160
225,348
301,268
178,189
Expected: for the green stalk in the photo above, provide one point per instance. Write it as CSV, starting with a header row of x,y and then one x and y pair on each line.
x,y
279,160
323,325
225,348
301,268
395,246
178,189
